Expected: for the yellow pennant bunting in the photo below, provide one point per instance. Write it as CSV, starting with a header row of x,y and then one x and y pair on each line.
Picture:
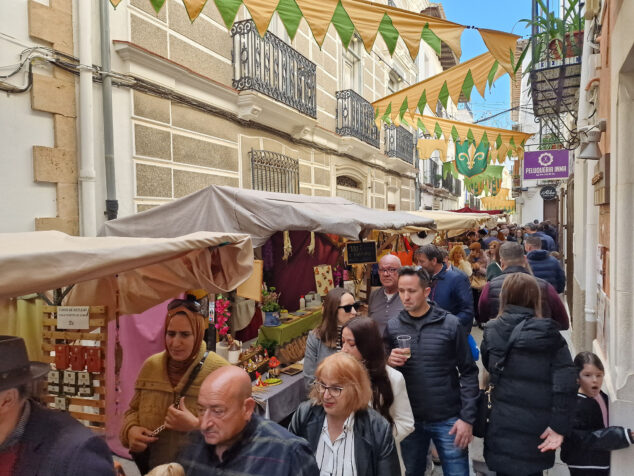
x,y
261,12
366,21
480,66
194,7
115,3
318,16
501,45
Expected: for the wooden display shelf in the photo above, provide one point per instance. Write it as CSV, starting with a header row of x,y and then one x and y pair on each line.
x,y
95,336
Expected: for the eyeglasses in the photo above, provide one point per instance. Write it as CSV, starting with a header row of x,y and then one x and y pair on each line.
x,y
334,392
348,307
388,270
193,306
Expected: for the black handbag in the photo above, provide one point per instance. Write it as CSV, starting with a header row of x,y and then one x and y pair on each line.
x,y
485,398
142,458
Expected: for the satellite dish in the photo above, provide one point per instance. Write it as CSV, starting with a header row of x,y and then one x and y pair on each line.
x,y
422,237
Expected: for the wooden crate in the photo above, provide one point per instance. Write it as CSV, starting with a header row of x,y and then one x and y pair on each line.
x,y
97,336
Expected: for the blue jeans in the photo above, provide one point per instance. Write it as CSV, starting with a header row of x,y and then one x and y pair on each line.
x,y
414,448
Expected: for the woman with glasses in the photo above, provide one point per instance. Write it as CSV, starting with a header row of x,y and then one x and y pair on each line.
x,y
164,392
338,308
361,339
347,437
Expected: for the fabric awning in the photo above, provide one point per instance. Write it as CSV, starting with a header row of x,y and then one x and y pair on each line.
x,y
368,19
480,71
503,142
260,214
142,271
471,210
451,221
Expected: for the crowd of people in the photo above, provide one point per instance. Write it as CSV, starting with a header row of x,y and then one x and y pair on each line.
x,y
381,389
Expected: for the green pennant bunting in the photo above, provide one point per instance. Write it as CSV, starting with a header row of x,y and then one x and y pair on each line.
x,y
438,131
454,134
498,141
485,140
389,33
422,102
471,139
228,10
291,16
403,109
158,4
422,127
443,95
467,86
386,115
431,39
343,25
512,143
494,70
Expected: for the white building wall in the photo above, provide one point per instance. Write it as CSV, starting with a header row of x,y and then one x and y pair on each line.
x,y
20,129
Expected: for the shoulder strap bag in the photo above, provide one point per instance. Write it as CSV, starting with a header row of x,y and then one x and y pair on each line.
x,y
142,459
485,400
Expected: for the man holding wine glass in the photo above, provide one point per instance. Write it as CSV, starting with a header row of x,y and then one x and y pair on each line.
x,y
427,344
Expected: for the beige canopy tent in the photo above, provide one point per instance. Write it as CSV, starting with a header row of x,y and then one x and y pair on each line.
x,y
142,271
260,214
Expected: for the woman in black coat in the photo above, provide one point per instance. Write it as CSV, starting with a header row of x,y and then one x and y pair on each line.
x,y
346,436
533,401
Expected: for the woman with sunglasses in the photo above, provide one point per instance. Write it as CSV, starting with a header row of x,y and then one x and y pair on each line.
x,y
164,393
361,339
347,436
339,307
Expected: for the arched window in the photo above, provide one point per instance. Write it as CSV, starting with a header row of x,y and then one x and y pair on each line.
x,y
350,189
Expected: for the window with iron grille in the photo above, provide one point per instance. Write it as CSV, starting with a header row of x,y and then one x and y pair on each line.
x,y
274,172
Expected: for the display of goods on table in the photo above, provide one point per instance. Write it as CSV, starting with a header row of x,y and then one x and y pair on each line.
x,y
254,359
292,351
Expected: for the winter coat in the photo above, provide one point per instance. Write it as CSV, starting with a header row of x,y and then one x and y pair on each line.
x,y
374,449
536,390
548,243
441,376
547,268
552,307
451,290
154,394
589,444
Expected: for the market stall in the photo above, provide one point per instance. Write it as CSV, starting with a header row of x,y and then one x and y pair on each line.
x,y
110,277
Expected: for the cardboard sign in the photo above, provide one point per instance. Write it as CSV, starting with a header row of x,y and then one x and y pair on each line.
x,y
73,317
360,252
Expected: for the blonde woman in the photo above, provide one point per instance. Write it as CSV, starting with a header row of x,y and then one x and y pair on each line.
x,y
458,259
346,436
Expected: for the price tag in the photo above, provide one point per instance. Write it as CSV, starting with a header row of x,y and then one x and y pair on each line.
x,y
73,317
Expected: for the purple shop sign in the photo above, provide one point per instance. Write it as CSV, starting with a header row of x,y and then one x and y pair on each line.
x,y
546,164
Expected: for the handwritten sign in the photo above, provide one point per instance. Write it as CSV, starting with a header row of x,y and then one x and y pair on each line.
x,y
359,252
73,317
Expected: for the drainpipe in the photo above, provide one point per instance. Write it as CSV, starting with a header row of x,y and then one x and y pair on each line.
x,y
87,175
112,205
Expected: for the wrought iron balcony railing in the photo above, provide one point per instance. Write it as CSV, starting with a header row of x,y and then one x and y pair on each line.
x,y
274,172
355,117
399,142
272,67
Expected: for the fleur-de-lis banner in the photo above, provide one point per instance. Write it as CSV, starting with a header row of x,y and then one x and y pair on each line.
x,y
471,160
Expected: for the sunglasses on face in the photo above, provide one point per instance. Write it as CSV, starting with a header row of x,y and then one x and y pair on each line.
x,y
348,307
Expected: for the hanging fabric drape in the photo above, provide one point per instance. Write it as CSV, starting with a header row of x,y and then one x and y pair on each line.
x,y
499,201
368,19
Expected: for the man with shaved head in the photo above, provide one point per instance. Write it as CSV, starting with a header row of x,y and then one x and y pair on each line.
x,y
385,303
233,440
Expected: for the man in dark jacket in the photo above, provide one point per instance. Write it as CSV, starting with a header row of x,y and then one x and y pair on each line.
x,y
450,289
543,265
440,375
547,242
232,440
512,260
37,441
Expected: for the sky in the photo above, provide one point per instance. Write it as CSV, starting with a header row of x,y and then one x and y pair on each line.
x,y
496,15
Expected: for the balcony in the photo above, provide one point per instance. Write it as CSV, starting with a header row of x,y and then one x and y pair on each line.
x,y
272,67
355,117
399,142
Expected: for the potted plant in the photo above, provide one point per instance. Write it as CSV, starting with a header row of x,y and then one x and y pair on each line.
x,y
270,307
221,316
554,37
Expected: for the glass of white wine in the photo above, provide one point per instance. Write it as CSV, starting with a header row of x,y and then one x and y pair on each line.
x,y
404,342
